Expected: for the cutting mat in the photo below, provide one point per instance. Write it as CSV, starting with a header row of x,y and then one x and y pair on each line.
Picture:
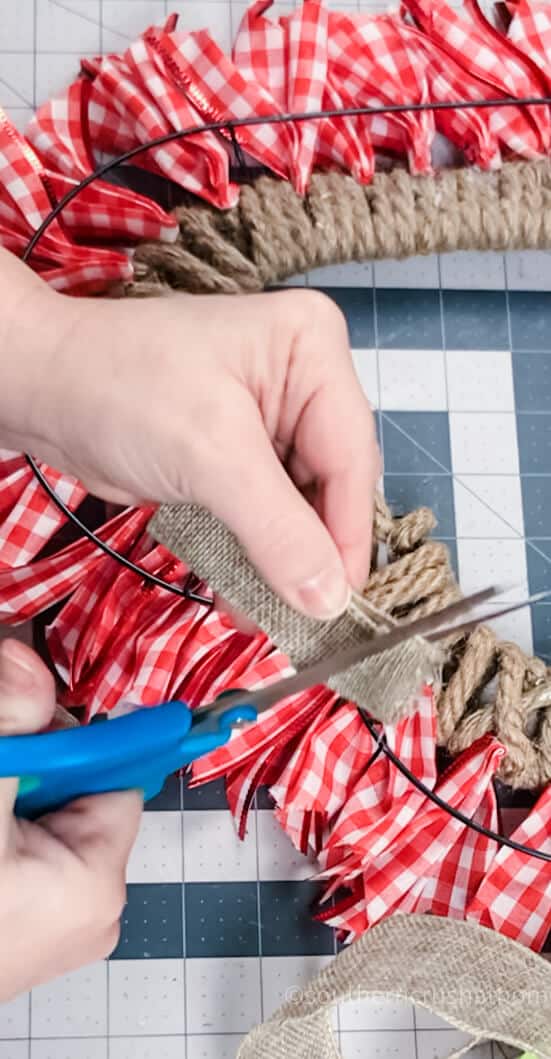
x,y
455,355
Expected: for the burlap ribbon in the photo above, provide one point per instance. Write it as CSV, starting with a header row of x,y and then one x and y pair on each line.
x,y
384,685
477,980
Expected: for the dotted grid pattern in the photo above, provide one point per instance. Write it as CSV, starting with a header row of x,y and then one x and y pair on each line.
x,y
455,355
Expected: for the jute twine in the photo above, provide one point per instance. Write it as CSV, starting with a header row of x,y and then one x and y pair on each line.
x,y
482,983
487,686
274,233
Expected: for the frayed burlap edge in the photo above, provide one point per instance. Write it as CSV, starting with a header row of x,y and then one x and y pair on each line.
x,y
274,233
385,685
480,982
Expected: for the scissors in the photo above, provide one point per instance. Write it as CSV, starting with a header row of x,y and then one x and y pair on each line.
x,y
141,749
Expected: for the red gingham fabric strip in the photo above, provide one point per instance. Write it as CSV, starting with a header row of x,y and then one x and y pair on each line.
x,y
428,850
340,746
375,815
242,783
28,518
260,52
204,156
114,642
272,727
414,741
530,30
95,639
302,783
515,57
24,204
514,896
58,133
89,279
214,85
122,114
306,34
101,212
449,891
468,130
488,55
242,786
26,591
339,860
395,879
371,59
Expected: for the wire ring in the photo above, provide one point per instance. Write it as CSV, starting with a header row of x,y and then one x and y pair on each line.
x,y
229,127
435,798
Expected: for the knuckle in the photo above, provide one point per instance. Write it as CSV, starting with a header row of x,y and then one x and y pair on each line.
x,y
103,943
116,900
110,940
316,307
105,905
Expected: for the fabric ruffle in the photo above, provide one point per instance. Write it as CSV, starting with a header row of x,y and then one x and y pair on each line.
x,y
25,203
313,59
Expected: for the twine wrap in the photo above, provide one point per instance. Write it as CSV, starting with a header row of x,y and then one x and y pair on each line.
x,y
479,981
487,686
274,233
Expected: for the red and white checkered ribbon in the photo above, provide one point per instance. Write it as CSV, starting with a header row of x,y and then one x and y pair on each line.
x,y
432,865
289,57
60,138
24,205
530,30
211,81
134,99
375,815
28,518
423,871
499,67
120,640
27,590
468,130
372,61
514,896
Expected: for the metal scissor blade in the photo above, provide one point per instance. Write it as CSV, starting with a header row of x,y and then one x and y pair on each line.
x,y
434,627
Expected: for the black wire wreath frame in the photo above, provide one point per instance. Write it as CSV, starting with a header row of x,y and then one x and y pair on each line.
x,y
187,591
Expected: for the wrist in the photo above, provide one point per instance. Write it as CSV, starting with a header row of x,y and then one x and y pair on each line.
x,y
34,322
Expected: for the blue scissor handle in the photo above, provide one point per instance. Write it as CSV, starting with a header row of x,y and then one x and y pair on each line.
x,y
137,751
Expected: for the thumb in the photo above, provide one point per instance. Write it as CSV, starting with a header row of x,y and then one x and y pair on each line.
x,y
27,690
283,536
100,830
27,704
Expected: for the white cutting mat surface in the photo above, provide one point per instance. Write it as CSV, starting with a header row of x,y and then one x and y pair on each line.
x,y
462,384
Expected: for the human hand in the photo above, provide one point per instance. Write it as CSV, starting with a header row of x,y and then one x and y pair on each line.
x,y
62,879
247,405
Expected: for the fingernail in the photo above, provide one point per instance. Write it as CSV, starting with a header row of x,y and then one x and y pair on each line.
x,y
16,672
325,596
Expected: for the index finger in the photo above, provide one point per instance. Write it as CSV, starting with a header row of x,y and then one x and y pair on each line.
x,y
27,704
336,444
